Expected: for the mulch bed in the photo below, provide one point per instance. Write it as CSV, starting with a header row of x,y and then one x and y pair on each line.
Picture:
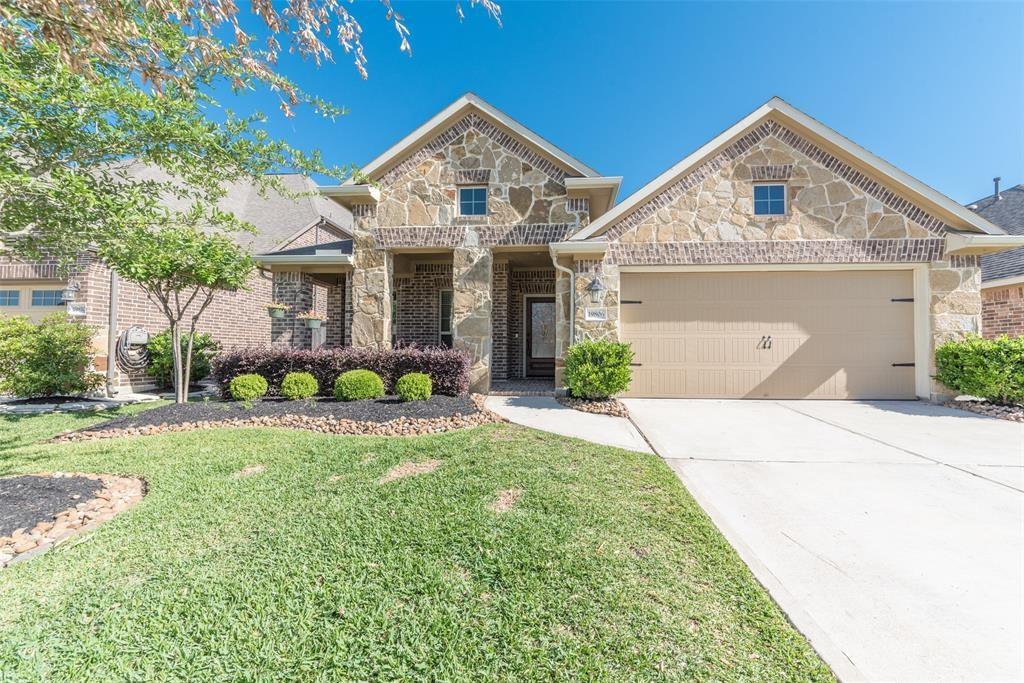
x,y
1003,412
53,400
388,416
40,510
600,406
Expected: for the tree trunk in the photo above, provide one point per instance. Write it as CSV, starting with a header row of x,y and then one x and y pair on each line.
x,y
180,391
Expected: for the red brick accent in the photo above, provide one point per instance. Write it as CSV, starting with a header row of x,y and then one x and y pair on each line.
x,y
499,321
778,251
1002,311
317,234
418,303
732,152
777,172
451,236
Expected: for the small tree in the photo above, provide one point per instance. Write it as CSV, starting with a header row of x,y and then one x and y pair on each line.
x,y
181,269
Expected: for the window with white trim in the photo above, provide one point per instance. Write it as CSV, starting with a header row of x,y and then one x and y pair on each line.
x,y
47,297
10,297
445,318
472,201
770,199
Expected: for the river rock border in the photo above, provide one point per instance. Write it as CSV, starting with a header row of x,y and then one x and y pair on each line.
x,y
404,426
601,406
117,495
1003,412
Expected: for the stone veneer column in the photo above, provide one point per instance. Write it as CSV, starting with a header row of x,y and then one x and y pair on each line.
x,y
608,329
471,308
955,306
294,289
499,321
371,284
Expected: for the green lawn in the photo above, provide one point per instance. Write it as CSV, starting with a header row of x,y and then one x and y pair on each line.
x,y
312,570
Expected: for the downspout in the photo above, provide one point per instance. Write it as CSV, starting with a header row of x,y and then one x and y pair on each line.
x,y
572,295
112,334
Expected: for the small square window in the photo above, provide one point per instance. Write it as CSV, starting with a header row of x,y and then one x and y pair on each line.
x,y
10,297
770,200
47,297
472,201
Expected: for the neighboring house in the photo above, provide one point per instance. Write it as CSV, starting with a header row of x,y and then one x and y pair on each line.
x,y
1002,274
234,319
779,260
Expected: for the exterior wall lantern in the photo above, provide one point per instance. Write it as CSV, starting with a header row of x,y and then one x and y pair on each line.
x,y
71,290
596,289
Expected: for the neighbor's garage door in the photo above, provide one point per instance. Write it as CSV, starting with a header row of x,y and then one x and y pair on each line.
x,y
775,334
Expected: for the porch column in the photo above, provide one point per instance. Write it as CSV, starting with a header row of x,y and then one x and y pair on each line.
x,y
471,309
371,284
294,289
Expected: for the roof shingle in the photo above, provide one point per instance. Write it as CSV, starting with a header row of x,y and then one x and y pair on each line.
x,y
1007,213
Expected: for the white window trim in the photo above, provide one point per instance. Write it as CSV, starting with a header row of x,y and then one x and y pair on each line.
x,y
785,199
17,295
33,304
487,200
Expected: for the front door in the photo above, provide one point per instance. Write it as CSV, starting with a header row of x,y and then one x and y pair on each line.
x,y
540,337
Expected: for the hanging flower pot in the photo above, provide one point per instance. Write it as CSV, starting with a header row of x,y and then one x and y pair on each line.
x,y
276,310
312,318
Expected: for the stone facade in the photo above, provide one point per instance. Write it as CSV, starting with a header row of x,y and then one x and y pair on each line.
x,y
1002,311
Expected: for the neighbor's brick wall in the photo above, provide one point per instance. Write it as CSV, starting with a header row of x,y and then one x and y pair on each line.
x,y
1002,311
317,234
418,302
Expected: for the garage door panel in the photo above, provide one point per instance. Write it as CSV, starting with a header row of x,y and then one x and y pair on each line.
x,y
833,334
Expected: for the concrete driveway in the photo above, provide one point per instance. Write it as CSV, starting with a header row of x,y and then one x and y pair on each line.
x,y
891,532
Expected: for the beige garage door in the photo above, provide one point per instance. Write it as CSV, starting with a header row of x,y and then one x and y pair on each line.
x,y
838,334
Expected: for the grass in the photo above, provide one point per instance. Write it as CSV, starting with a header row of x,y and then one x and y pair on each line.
x,y
603,569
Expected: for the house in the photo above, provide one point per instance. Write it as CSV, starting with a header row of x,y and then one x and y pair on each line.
x,y
234,319
1002,274
779,260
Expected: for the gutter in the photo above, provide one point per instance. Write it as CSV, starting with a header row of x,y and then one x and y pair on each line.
x,y
962,243
594,249
333,258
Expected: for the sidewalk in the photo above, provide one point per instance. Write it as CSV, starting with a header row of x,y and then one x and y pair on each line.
x,y
547,414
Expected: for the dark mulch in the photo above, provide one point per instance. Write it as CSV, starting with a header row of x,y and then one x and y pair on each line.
x,y
27,500
51,400
378,410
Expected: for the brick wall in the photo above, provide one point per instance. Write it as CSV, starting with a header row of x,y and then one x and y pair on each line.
x,y
295,290
418,302
1002,311
499,320
521,283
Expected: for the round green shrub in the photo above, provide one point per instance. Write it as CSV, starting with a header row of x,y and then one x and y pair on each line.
x,y
598,369
414,386
299,385
356,385
248,387
992,369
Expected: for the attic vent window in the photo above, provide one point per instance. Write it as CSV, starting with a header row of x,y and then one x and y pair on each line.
x,y
472,201
770,200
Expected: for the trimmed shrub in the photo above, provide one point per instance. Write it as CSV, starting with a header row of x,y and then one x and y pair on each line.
x,y
248,387
52,358
161,356
414,386
356,385
598,369
299,385
448,369
992,369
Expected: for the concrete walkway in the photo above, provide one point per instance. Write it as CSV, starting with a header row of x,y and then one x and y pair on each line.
x,y
547,414
891,532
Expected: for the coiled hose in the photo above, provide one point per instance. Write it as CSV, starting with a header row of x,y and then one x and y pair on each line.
x,y
131,357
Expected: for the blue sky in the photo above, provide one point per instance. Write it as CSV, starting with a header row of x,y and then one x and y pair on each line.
x,y
630,88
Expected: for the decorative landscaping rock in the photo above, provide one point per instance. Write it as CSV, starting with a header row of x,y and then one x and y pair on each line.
x,y
109,496
325,417
1003,412
602,406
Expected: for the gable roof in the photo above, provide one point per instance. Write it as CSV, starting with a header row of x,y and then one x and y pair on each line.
x,y
954,215
277,218
454,112
1008,213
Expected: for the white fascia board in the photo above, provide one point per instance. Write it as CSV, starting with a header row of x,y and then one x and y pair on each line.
x,y
328,257
960,243
595,248
611,182
785,110
1003,282
350,193
453,111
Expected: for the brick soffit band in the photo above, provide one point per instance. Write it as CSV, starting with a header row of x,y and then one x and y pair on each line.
x,y
800,144
474,121
451,236
778,251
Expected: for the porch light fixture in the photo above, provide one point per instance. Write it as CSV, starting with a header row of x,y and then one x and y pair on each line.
x,y
596,289
71,290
